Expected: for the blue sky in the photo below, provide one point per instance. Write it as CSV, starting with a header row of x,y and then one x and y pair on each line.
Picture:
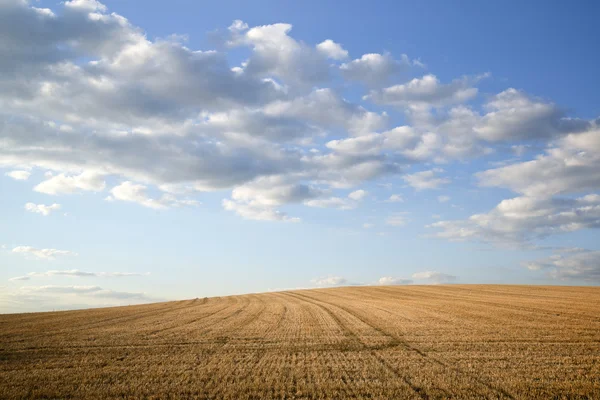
x,y
175,151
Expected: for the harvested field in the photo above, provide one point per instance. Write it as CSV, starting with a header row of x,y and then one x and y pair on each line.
x,y
421,342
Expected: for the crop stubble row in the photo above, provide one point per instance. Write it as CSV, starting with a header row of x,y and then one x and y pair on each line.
x,y
471,341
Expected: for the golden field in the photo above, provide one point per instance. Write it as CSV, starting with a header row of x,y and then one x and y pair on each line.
x,y
386,342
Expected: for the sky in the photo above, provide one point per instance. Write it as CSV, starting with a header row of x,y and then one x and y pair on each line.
x,y
184,149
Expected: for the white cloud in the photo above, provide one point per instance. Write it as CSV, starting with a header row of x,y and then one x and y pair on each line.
x,y
329,281
519,220
77,273
434,277
18,175
514,115
88,97
331,202
426,179
570,166
374,69
61,184
389,280
352,201
358,195
368,225
332,50
403,143
326,109
52,298
42,208
259,198
91,291
275,53
395,198
583,265
20,278
86,5
443,199
136,193
44,254
257,212
426,92
274,191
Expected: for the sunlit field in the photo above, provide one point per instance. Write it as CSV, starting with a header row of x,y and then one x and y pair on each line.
x,y
421,342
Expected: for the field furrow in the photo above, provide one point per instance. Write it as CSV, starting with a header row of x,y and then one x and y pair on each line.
x,y
413,342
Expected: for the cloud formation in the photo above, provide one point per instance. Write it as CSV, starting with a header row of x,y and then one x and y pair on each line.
x,y
136,193
18,175
427,91
329,281
434,277
42,208
332,50
517,221
389,280
89,100
76,273
395,198
375,69
87,291
581,264
42,254
426,179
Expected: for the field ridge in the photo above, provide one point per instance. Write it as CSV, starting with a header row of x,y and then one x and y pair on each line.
x,y
414,342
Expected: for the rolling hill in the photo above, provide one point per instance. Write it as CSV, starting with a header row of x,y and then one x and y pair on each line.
x,y
422,342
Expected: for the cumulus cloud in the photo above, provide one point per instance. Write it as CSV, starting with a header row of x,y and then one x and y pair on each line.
x,y
443,199
258,212
427,91
581,265
325,108
329,281
569,166
375,69
332,50
434,277
42,254
275,53
331,202
352,201
358,195
136,193
519,220
42,208
61,184
389,280
18,175
274,191
86,96
514,115
259,199
426,179
572,165
401,145
395,198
